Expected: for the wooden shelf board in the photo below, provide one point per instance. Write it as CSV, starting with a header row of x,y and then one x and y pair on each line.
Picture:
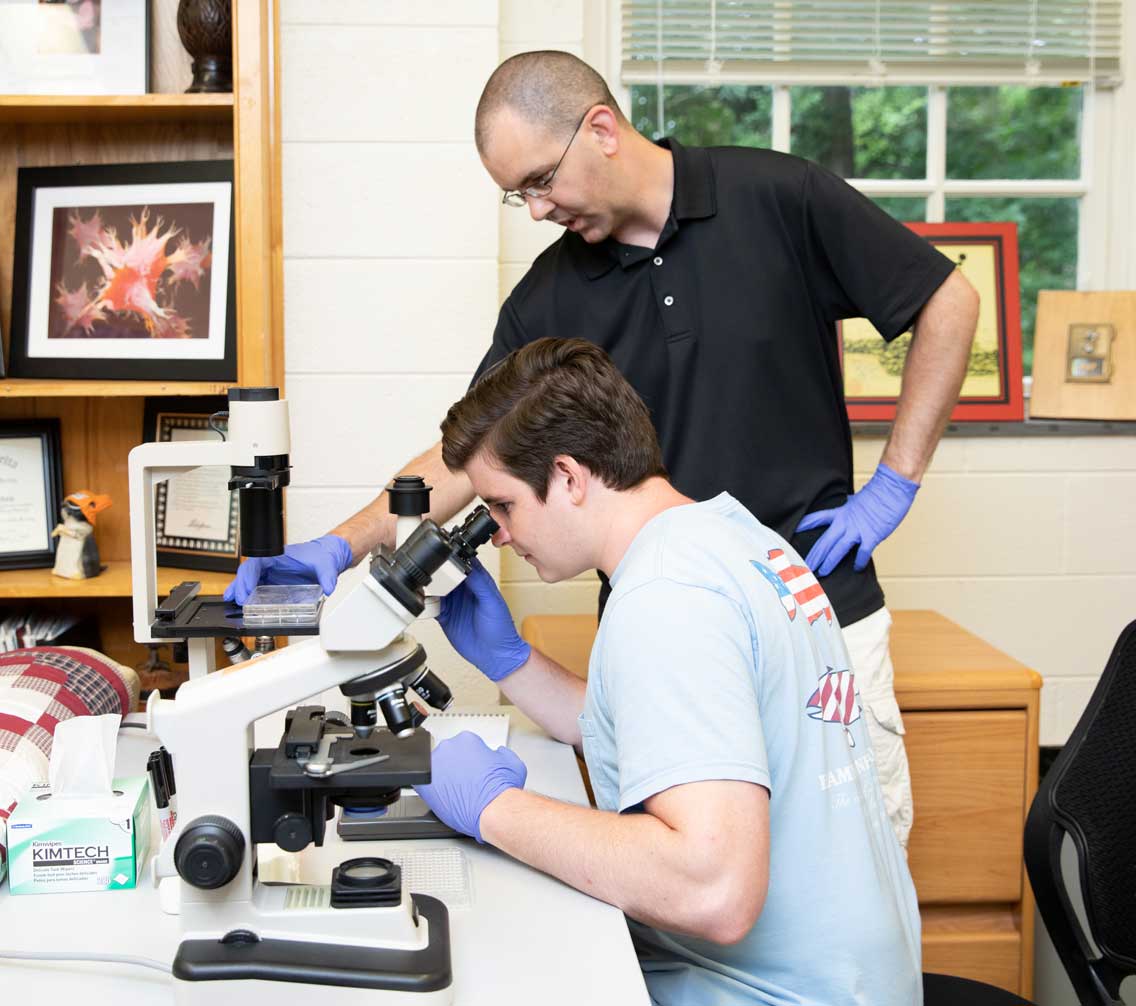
x,y
30,387
114,581
116,108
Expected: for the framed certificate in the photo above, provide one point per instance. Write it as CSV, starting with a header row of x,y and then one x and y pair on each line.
x,y
31,491
195,514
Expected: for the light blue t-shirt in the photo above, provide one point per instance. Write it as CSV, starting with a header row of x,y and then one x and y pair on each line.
x,y
718,657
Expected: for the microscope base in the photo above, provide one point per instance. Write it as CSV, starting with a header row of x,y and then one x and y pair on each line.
x,y
216,973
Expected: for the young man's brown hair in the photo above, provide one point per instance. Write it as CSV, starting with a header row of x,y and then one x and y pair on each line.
x,y
554,397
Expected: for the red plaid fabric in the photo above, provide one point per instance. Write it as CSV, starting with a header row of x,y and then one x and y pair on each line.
x,y
39,687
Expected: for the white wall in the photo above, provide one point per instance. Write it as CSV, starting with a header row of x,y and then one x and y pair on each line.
x,y
390,247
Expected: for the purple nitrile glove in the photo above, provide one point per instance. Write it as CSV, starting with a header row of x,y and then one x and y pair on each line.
x,y
467,777
866,518
478,624
320,561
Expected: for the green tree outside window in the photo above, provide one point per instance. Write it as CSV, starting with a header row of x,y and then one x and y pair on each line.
x,y
1010,132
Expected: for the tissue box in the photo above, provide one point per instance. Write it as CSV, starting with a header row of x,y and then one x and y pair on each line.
x,y
79,843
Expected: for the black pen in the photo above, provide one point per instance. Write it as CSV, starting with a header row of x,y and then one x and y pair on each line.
x,y
159,765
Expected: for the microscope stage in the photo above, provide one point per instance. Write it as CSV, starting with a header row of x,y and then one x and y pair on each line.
x,y
212,616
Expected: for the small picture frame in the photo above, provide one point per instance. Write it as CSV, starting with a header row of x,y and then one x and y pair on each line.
x,y
31,492
987,255
124,272
1084,355
74,46
196,515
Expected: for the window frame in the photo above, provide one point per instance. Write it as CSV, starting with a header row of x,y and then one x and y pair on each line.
x,y
935,187
1107,211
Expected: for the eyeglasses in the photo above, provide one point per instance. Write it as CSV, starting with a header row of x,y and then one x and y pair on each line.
x,y
538,190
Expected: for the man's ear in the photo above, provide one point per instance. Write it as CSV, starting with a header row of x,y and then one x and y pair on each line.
x,y
572,476
604,126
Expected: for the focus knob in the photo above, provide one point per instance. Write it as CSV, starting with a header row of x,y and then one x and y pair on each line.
x,y
209,852
292,832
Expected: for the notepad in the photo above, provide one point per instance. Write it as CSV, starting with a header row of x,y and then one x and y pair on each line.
x,y
493,728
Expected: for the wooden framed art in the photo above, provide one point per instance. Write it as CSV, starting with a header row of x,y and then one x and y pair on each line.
x,y
987,255
124,272
1084,355
196,514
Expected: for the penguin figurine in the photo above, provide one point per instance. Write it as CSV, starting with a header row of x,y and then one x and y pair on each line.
x,y
77,555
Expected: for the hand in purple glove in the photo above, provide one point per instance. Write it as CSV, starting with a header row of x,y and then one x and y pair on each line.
x,y
467,777
320,561
478,624
866,518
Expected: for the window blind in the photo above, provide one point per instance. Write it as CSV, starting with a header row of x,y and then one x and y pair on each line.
x,y
845,41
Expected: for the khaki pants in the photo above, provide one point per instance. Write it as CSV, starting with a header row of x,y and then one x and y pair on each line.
x,y
867,642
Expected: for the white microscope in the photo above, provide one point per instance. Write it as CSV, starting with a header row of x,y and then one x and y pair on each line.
x,y
363,933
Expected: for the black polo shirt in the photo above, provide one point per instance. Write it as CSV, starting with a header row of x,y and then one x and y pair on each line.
x,y
727,329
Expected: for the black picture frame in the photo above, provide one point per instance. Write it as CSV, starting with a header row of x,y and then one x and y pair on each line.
x,y
46,436
161,417
45,341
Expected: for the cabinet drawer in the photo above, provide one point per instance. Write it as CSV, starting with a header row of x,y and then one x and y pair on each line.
x,y
968,775
983,944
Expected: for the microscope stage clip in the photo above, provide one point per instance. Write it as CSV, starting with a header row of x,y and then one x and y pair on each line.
x,y
323,769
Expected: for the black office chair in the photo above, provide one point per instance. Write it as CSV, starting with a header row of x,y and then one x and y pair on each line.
x,y
1088,794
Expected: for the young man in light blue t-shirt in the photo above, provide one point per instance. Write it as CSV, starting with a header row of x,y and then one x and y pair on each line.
x,y
739,821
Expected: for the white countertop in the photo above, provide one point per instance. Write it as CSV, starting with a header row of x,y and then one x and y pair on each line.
x,y
524,938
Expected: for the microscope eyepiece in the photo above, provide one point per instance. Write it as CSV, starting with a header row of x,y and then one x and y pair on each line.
x,y
474,532
409,496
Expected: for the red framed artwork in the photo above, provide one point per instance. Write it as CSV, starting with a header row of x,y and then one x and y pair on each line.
x,y
987,254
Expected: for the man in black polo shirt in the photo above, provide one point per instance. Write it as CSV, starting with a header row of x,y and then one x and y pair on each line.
x,y
714,279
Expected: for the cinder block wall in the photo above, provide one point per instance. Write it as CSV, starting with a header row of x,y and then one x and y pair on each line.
x,y
390,247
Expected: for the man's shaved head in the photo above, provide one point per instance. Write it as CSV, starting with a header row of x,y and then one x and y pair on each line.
x,y
547,88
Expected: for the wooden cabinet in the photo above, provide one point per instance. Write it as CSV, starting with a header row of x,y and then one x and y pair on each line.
x,y
102,421
971,716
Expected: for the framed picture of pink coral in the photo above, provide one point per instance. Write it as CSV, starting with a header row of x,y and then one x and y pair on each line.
x,y
125,272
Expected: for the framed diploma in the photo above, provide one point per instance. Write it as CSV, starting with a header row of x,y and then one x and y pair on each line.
x,y
31,491
195,514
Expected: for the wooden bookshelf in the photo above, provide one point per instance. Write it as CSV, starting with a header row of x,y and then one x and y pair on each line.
x,y
116,109
114,581
102,420
29,387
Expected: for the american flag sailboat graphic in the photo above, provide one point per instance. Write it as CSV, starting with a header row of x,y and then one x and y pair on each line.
x,y
796,586
834,700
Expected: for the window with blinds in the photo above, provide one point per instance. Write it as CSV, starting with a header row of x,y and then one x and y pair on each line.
x,y
872,41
